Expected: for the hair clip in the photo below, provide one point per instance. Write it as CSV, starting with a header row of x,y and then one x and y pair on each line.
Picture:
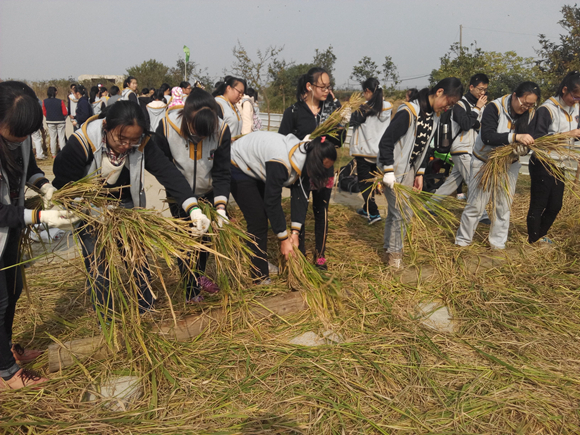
x,y
322,139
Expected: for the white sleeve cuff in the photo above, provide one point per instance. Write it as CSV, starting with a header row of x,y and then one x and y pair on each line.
x,y
189,203
29,216
296,226
220,200
388,168
283,235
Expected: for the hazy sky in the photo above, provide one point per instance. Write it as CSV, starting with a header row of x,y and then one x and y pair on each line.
x,y
43,39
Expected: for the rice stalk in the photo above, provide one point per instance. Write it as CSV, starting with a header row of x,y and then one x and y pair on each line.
x,y
331,125
322,293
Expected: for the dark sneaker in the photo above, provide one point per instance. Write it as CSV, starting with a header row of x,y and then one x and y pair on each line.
x,y
373,219
485,221
362,212
208,286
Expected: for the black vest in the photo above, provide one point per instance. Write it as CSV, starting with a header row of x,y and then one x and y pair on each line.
x,y
53,108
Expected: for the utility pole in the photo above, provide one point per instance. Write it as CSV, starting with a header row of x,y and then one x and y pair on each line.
x,y
461,39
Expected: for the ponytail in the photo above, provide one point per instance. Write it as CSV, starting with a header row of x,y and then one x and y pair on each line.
x,y
317,150
311,77
375,103
571,81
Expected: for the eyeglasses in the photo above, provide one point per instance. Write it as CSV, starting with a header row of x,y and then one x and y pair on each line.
x,y
481,89
238,91
124,142
324,88
526,105
574,97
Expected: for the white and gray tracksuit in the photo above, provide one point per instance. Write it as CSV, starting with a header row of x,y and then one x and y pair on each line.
x,y
231,116
397,158
461,150
504,124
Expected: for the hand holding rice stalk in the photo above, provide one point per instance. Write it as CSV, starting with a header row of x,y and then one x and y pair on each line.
x,y
322,293
419,204
234,264
330,126
549,151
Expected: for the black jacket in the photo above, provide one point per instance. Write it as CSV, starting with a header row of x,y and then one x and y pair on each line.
x,y
84,111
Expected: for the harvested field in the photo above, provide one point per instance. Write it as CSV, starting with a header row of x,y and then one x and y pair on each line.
x,y
510,364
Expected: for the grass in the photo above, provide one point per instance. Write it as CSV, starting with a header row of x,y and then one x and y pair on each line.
x,y
511,367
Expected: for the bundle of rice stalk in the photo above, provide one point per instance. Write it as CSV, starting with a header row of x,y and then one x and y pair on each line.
x,y
234,265
330,126
549,150
322,293
420,205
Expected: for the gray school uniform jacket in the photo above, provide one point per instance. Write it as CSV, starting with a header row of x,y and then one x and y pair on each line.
x,y
97,106
365,139
30,216
506,124
404,146
250,154
125,94
90,135
156,114
231,115
464,140
196,162
72,105
564,118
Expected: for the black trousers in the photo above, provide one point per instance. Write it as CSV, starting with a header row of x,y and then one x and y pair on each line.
x,y
10,291
546,195
249,195
363,170
190,279
320,201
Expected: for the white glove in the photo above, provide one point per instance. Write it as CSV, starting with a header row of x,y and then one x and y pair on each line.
x,y
62,219
346,114
47,190
521,150
200,221
389,180
222,217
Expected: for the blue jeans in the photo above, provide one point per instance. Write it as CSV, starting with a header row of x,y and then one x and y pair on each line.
x,y
98,282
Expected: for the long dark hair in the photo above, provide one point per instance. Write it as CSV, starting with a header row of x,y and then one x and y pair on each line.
x,y
127,81
199,115
51,92
311,77
318,150
523,121
94,93
222,85
451,86
21,114
123,114
571,81
375,103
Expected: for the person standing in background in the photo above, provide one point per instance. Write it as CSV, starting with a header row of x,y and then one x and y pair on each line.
x,y
72,101
227,93
248,107
114,96
55,112
130,89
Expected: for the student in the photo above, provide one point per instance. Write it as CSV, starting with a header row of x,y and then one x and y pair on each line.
x,y
130,89
558,114
312,107
55,112
262,164
249,111
97,103
186,88
20,116
196,130
145,99
402,154
227,93
176,97
84,109
166,89
504,121
114,96
72,101
120,148
369,125
156,109
465,124
103,94
38,140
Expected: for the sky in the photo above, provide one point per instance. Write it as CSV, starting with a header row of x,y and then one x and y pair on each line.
x,y
45,39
